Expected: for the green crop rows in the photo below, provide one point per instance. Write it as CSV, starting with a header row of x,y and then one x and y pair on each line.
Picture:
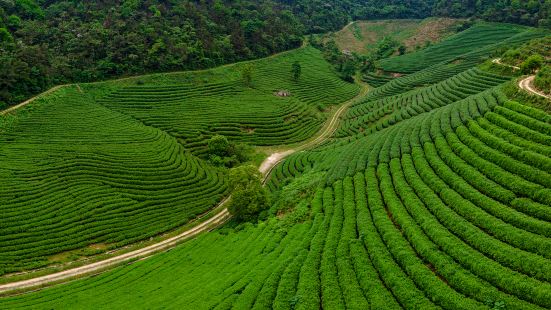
x,y
472,40
434,193
113,163
194,113
440,213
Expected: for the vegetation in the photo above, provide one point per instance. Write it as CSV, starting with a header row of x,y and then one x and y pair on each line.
x,y
433,193
476,38
222,152
249,198
43,43
516,55
543,79
361,37
531,64
113,163
296,70
433,218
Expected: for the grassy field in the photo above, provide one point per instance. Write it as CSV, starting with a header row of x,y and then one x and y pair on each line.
x,y
97,166
362,36
434,193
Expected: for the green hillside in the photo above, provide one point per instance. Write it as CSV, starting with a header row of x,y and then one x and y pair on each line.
x,y
433,193
363,36
445,210
473,40
107,164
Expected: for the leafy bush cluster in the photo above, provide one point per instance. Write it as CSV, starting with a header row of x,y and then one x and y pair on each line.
x,y
543,79
222,153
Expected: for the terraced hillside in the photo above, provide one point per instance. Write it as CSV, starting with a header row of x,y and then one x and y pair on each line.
x,y
447,209
479,40
433,194
219,103
363,36
93,167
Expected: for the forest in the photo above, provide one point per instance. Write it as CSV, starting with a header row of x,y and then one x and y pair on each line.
x,y
49,42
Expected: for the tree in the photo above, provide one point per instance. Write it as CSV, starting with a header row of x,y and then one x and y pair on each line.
x,y
219,145
531,64
296,70
401,49
542,80
223,153
247,75
5,35
14,22
249,197
348,70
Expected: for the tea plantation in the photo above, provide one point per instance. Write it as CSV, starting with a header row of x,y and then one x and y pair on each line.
x,y
433,193
112,163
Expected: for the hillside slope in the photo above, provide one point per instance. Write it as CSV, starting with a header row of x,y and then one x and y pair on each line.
x,y
433,194
93,167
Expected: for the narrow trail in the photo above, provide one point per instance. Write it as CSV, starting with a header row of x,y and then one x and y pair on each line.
x,y
26,102
526,84
498,61
216,220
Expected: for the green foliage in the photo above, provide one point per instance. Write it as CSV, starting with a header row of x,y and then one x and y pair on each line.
x,y
440,202
101,40
249,197
531,64
475,43
29,9
543,79
5,36
386,47
14,22
401,49
301,188
296,70
219,145
247,72
221,152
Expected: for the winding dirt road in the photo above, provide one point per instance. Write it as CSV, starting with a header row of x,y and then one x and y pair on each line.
x,y
218,219
526,84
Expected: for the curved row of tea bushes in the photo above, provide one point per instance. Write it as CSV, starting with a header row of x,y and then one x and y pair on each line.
x,y
75,174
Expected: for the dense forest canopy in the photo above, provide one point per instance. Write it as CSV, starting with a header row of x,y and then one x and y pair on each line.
x,y
46,42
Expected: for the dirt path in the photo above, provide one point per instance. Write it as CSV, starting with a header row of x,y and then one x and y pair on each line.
x,y
26,102
526,84
498,61
94,268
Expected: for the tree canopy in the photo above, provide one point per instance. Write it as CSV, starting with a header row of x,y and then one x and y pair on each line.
x,y
249,197
43,43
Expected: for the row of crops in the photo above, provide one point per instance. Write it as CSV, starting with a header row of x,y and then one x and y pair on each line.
x,y
372,115
74,173
447,208
193,113
478,37
99,166
449,57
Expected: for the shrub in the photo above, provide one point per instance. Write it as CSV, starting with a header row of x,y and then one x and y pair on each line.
x,y
531,64
543,79
249,198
